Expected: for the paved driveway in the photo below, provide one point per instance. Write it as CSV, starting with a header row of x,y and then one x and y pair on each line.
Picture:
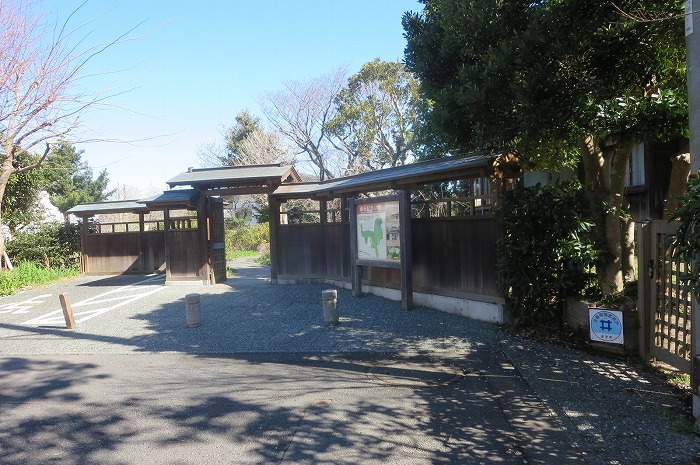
x,y
263,380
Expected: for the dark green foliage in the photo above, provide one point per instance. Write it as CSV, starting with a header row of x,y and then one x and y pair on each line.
x,y
246,124
52,245
69,180
686,242
21,194
537,75
378,116
544,256
262,213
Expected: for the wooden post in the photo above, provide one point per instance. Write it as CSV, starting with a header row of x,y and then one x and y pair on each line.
x,y
323,214
166,234
406,253
274,236
645,283
202,237
355,269
142,255
67,311
692,41
83,247
8,263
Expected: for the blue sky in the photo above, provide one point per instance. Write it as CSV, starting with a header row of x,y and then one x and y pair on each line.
x,y
195,64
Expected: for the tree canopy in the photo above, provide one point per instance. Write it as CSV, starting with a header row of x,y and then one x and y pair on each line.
x,y
537,76
69,180
378,115
560,81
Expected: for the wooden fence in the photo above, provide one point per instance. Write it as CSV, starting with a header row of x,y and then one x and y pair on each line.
x,y
135,252
664,302
454,257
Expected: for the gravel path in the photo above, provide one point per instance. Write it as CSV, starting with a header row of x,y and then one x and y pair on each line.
x,y
591,410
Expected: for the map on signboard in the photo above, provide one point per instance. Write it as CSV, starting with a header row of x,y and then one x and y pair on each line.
x,y
378,231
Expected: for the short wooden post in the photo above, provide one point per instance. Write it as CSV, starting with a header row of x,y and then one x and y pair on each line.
x,y
67,311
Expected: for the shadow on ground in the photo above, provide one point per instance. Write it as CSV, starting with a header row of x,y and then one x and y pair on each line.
x,y
263,380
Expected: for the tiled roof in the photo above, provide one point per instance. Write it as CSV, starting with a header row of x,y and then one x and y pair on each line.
x,y
438,170
120,206
172,198
230,176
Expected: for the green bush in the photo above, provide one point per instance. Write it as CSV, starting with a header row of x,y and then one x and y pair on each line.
x,y
27,273
544,255
241,237
52,245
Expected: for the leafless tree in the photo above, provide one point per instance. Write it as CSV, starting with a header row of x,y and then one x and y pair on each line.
x,y
301,111
40,64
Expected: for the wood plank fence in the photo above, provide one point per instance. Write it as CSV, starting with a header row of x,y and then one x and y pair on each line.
x,y
454,257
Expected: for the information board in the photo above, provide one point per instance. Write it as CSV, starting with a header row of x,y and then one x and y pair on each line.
x,y
378,231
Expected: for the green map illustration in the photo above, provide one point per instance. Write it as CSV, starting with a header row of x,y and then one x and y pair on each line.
x,y
373,237
378,230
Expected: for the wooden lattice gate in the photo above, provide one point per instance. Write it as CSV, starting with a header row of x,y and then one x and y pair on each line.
x,y
668,320
217,246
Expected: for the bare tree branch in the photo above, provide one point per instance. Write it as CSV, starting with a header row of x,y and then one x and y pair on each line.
x,y
41,62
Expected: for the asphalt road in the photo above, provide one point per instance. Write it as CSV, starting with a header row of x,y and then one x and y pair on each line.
x,y
263,380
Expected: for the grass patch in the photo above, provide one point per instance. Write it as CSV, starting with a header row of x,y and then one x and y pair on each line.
x,y
243,253
29,274
264,259
686,427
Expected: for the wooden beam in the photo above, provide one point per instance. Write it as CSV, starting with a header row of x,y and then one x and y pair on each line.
x,y
238,191
323,214
405,241
166,235
83,241
202,236
142,257
356,270
274,236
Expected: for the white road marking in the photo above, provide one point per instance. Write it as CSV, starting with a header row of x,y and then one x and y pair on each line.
x,y
25,306
121,296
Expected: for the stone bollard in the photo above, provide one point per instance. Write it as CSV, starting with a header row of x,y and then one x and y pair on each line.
x,y
330,306
193,314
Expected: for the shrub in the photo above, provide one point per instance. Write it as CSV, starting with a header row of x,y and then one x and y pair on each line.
x,y
544,255
241,237
51,245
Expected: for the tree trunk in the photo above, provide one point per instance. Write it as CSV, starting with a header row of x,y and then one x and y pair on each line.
x,y
680,171
605,185
629,272
5,171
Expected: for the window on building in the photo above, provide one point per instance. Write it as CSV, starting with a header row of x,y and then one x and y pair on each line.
x,y
635,167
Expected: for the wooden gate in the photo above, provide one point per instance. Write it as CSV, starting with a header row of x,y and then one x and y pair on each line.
x,y
217,248
668,321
